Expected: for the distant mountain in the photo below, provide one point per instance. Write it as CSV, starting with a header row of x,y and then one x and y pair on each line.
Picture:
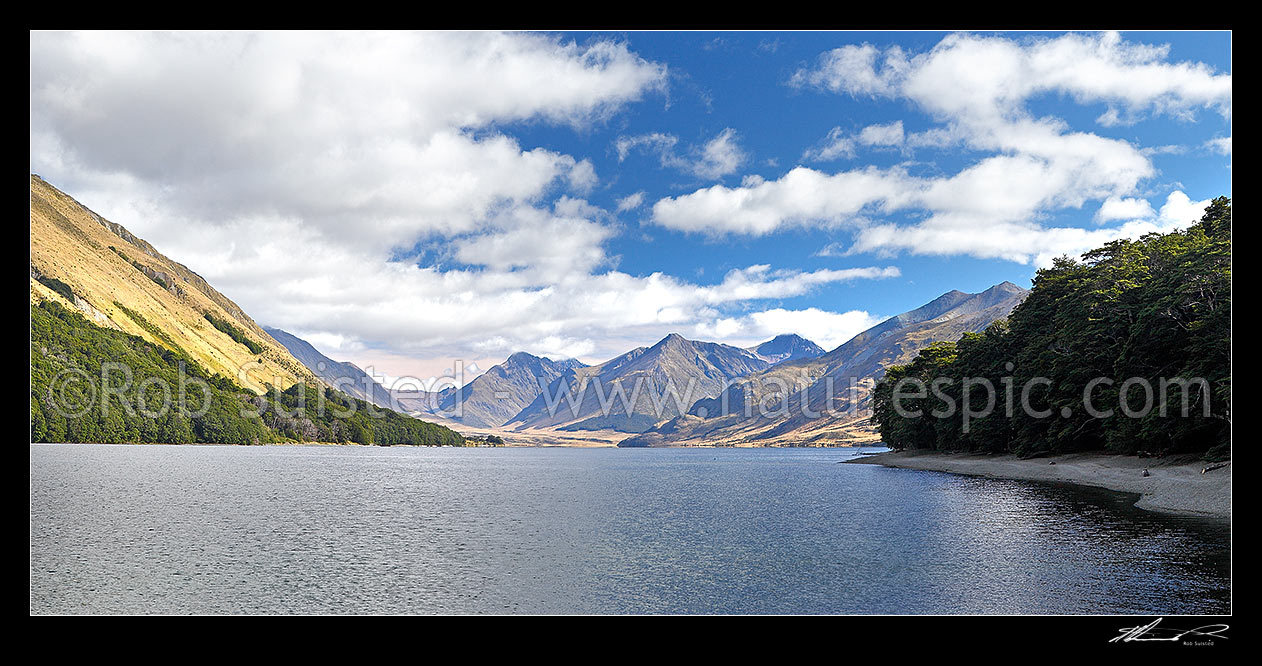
x,y
119,281
790,347
416,401
497,395
768,406
345,377
633,392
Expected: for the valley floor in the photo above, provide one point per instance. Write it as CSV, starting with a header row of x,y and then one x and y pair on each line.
x,y
1174,485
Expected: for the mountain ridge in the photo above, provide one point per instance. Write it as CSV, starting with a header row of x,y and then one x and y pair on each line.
x,y
343,376
631,383
495,396
787,347
793,391
120,281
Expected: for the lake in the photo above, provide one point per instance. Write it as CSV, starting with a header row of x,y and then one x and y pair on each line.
x,y
322,529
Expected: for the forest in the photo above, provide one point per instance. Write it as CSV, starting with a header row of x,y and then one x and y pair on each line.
x,y
1126,350
94,384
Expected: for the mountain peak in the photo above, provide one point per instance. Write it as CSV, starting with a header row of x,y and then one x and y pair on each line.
x,y
672,340
521,357
787,347
1007,287
489,399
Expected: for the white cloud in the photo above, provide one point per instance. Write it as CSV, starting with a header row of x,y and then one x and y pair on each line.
x,y
979,77
330,128
322,180
1022,242
1220,145
978,86
827,329
834,146
801,197
558,303
654,142
882,135
534,240
838,144
582,177
1180,211
718,157
630,202
760,282
831,250
1121,208
855,70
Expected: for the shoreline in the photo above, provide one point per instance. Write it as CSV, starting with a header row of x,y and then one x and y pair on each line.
x,y
1174,485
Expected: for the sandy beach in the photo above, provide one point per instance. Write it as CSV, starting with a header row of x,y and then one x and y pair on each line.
x,y
1174,485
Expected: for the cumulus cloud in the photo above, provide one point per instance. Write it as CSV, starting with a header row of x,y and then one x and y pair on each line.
x,y
969,75
720,156
1121,208
1023,243
1180,211
712,160
761,282
978,87
358,187
827,329
554,243
801,197
334,128
855,70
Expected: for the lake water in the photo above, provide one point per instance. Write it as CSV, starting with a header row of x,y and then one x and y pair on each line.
x,y
207,529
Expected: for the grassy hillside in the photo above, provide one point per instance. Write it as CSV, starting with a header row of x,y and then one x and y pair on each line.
x,y
117,329
121,282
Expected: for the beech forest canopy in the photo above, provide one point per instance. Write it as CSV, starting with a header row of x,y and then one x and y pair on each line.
x,y
1155,308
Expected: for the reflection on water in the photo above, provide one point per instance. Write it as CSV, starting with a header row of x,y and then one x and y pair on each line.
x,y
199,529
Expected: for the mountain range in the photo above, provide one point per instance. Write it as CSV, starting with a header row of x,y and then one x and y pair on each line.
x,y
817,400
346,377
634,391
495,396
685,392
675,392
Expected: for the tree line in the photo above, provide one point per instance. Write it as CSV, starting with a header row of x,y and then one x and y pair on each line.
x,y
95,384
1127,350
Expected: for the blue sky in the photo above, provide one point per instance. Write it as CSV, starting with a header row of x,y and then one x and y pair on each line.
x,y
405,200
741,81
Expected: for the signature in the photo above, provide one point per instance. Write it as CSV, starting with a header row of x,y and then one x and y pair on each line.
x,y
1152,632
